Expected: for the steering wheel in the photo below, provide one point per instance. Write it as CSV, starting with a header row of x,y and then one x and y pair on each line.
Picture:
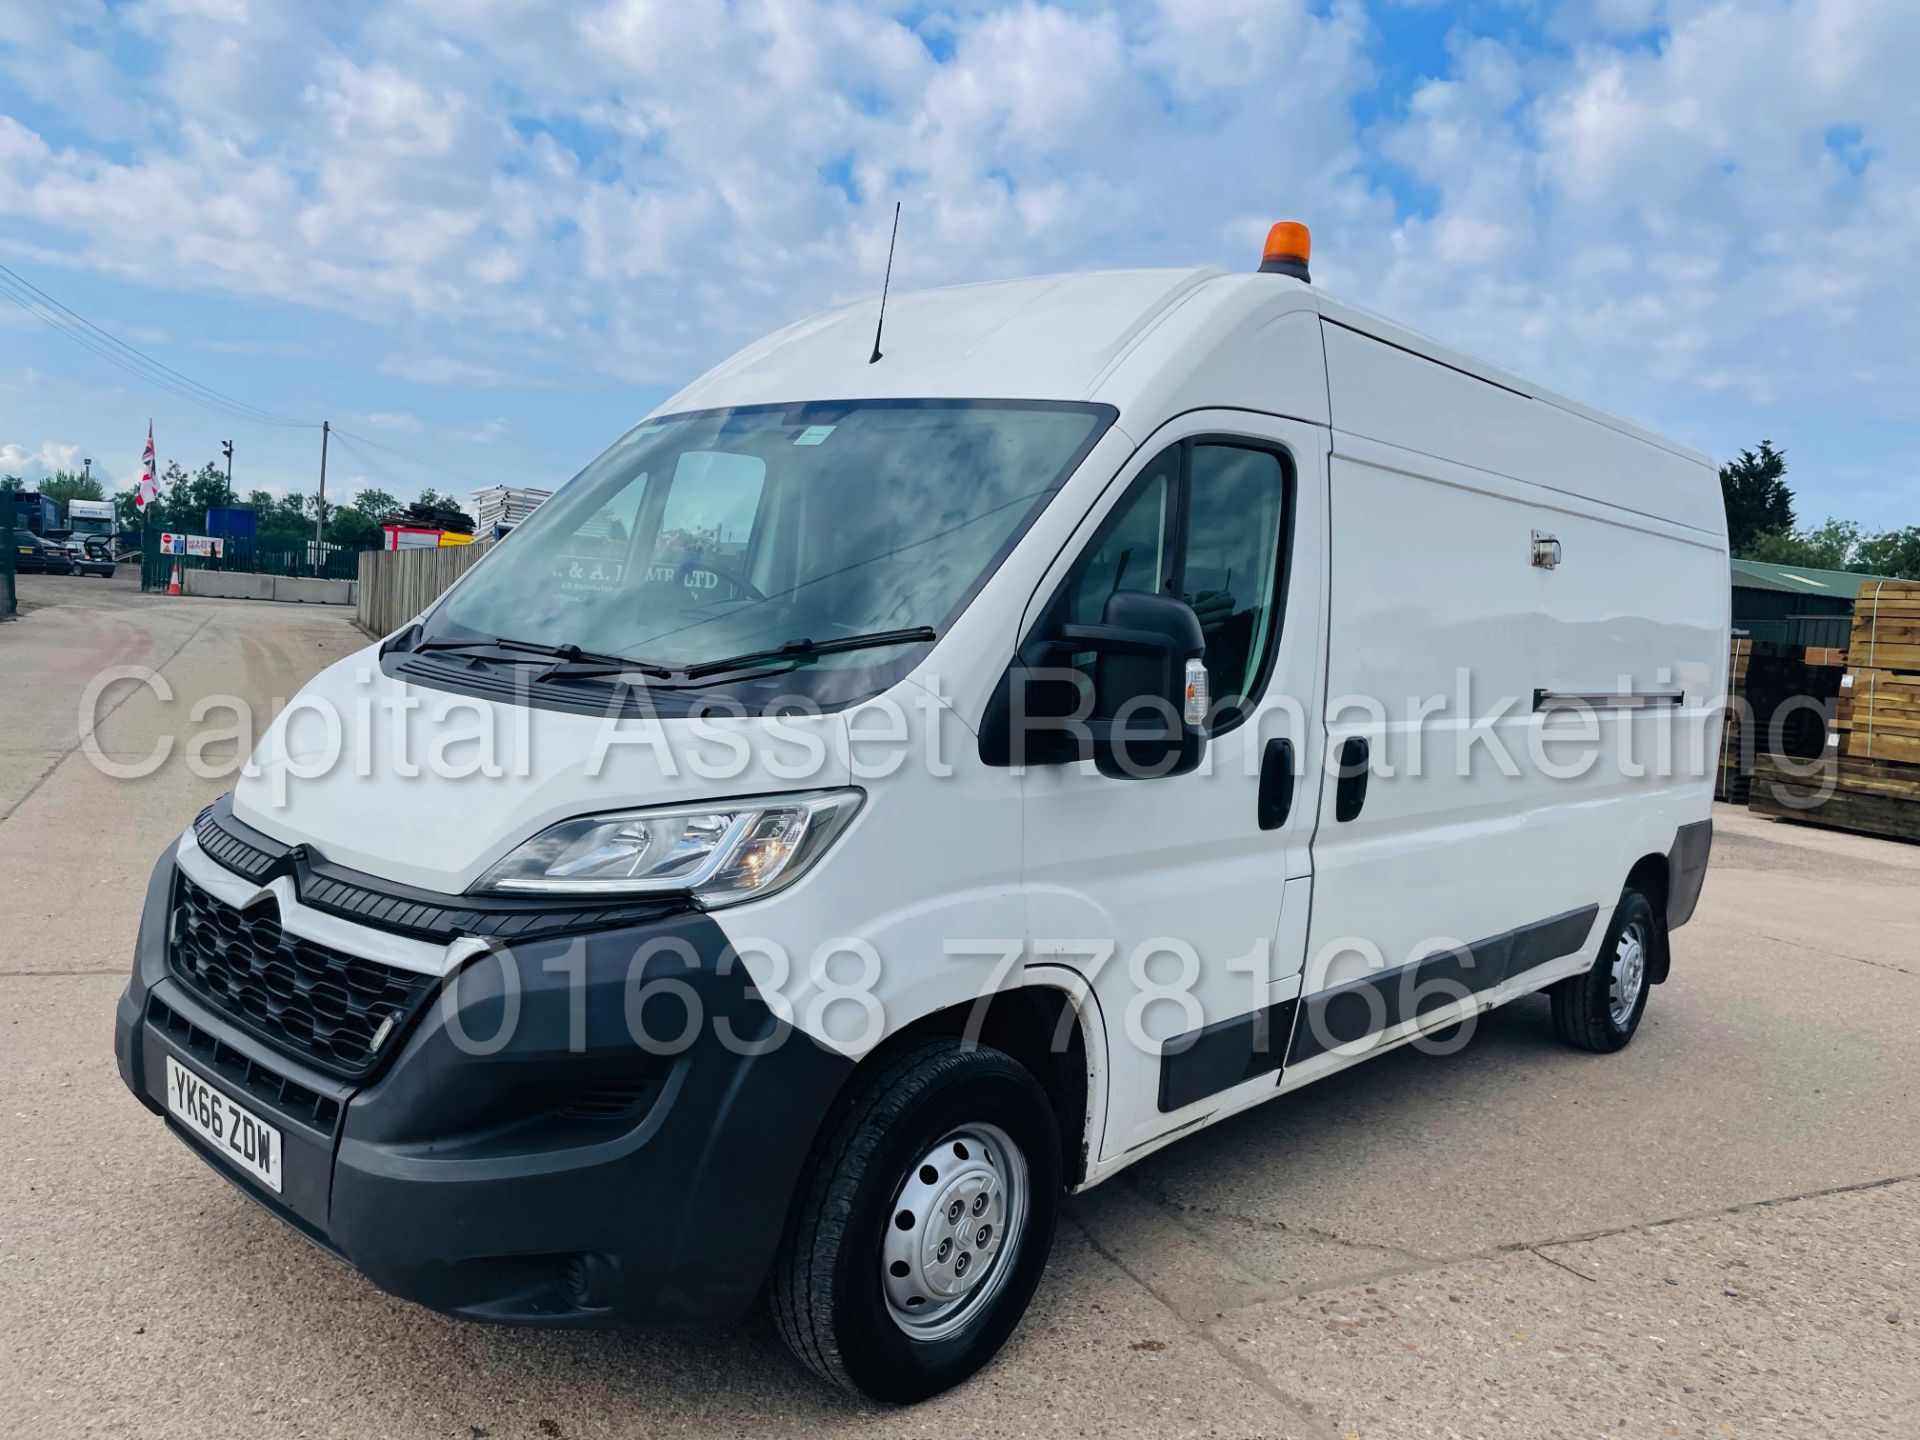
x,y
741,584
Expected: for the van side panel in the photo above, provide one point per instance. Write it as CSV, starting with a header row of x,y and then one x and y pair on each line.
x,y
1428,627
1389,394
1487,822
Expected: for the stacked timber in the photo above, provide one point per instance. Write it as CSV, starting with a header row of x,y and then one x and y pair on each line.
x,y
1870,797
1880,698
1732,779
1870,778
1776,703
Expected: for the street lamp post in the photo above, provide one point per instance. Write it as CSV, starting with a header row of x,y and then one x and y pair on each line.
x,y
226,448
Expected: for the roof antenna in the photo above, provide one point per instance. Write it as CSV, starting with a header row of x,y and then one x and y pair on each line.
x,y
874,359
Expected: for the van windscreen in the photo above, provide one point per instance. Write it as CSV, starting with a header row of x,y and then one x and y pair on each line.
x,y
720,533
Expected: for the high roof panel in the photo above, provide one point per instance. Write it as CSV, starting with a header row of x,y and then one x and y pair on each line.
x,y
1051,337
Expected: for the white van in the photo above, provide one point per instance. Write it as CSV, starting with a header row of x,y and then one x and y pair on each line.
x,y
905,780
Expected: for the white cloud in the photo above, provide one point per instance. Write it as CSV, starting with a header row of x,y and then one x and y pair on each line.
x,y
1654,225
637,188
1716,222
488,432
38,464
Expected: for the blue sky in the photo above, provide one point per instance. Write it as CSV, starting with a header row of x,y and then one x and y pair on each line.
x,y
487,234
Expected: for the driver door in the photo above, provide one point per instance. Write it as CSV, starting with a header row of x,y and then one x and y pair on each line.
x,y
1183,899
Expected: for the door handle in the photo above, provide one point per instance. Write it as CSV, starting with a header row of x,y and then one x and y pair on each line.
x,y
1276,784
1351,793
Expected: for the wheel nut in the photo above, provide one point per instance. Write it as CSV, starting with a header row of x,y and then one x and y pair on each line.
x,y
982,1235
980,1203
946,1249
960,1265
954,1211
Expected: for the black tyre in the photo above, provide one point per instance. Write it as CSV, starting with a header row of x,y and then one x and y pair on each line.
x,y
1601,1009
923,1225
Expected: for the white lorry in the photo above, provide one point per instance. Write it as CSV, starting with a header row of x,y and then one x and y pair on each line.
x,y
90,519
907,779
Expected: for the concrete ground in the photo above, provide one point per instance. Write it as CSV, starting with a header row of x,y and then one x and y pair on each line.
x,y
1715,1233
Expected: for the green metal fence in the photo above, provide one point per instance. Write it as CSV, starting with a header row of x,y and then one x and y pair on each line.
x,y
328,562
8,605
1815,630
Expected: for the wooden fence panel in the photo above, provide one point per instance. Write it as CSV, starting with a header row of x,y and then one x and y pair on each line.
x,y
396,585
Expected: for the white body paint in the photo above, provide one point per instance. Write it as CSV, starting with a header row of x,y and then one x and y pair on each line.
x,y
1420,476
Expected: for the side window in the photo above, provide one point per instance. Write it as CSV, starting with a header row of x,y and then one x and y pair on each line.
x,y
1133,549
706,525
592,561
711,504
1236,513
1206,521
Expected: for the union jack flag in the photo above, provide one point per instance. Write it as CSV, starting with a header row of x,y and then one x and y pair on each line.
x,y
149,488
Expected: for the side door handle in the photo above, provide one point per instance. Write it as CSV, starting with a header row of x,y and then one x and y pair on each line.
x,y
1351,793
1276,784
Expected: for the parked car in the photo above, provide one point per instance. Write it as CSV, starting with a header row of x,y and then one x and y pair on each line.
x,y
1150,578
95,557
33,555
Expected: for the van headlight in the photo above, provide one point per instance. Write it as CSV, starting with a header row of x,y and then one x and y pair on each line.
x,y
720,854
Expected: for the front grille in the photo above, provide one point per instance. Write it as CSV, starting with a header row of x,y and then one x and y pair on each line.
x,y
260,1081
311,1001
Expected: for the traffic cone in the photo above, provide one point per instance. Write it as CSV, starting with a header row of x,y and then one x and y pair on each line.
x,y
173,586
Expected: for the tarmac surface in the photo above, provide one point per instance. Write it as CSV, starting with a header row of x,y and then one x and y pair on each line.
x,y
1714,1233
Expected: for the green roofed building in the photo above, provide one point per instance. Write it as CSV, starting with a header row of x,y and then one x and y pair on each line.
x,y
1796,605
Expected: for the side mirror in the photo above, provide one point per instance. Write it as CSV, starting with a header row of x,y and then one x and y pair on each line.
x,y
1143,715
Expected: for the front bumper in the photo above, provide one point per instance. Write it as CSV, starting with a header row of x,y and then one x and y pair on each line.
x,y
521,1156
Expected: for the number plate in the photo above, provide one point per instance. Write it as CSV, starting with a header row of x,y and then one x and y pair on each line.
x,y
240,1135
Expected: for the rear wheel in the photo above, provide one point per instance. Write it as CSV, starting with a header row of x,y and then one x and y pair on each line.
x,y
1601,1009
923,1226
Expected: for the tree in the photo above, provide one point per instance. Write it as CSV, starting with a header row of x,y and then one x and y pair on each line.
x,y
376,505
64,485
1757,498
129,516
203,492
1827,547
162,512
349,526
1892,552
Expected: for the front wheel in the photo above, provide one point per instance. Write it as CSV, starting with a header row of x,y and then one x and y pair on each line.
x,y
923,1226
1600,1009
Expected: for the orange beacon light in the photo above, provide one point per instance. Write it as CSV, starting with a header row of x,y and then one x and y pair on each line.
x,y
1288,248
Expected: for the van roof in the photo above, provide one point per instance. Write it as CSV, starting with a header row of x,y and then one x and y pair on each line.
x,y
1050,337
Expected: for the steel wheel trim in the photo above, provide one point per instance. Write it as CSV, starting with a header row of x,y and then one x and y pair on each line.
x,y
1628,974
956,1223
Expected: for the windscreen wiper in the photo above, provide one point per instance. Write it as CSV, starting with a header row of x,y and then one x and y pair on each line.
x,y
584,665
571,662
805,649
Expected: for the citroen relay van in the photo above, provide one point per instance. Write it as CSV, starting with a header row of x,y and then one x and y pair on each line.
x,y
900,783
